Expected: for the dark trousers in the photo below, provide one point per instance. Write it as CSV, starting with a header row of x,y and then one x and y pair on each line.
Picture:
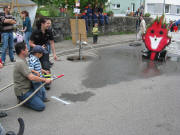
x,y
45,62
95,38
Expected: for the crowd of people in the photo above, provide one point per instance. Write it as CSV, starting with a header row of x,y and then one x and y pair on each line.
x,y
29,75
94,15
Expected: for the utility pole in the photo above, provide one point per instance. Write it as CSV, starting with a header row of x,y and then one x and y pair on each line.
x,y
164,7
77,4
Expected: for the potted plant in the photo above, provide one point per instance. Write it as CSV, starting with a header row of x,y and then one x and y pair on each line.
x,y
147,15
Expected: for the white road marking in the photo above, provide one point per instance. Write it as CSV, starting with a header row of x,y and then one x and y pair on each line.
x,y
58,99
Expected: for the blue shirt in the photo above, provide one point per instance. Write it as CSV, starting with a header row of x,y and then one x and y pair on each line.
x,y
35,64
27,24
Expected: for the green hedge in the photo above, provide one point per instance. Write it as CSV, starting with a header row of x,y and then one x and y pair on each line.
x,y
49,11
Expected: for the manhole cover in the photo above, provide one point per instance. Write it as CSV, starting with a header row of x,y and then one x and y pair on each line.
x,y
77,58
135,44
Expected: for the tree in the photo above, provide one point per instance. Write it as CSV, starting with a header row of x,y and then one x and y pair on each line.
x,y
70,3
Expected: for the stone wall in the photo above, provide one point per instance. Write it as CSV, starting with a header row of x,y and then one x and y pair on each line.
x,y
123,24
62,31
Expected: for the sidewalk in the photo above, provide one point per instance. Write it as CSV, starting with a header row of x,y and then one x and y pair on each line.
x,y
102,40
68,47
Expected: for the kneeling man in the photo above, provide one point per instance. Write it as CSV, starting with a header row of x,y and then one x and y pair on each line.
x,y
22,80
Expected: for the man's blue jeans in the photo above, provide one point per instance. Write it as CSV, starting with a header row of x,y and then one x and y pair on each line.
x,y
8,41
27,38
36,103
42,92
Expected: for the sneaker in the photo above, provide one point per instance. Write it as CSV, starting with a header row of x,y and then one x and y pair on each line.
x,y
46,100
3,114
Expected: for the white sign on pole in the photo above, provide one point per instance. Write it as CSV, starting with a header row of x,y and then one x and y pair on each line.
x,y
76,10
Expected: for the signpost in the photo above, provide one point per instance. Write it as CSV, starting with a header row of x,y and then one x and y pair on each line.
x,y
77,11
77,3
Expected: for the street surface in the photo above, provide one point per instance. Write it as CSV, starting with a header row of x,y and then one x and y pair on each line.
x,y
116,93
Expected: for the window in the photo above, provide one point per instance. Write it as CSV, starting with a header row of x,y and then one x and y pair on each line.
x,y
178,10
116,6
167,8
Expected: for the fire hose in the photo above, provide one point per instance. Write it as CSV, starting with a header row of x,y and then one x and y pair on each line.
x,y
24,101
4,88
1,90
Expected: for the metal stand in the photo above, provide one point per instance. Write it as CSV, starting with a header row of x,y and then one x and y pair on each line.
x,y
80,47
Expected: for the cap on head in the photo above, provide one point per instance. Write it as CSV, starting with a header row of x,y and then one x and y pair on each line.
x,y
39,49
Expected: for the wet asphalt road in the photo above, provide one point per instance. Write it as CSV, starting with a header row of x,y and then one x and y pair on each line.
x,y
116,94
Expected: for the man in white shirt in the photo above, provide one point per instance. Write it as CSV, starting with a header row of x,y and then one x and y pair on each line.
x,y
128,12
142,28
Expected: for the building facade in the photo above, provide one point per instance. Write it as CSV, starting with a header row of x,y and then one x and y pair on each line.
x,y
171,8
119,7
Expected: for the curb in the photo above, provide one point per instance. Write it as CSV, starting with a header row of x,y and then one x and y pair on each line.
x,y
71,51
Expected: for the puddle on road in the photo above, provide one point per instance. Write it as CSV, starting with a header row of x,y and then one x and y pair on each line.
x,y
124,63
79,97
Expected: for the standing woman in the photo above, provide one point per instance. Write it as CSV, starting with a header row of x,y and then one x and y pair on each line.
x,y
27,29
43,36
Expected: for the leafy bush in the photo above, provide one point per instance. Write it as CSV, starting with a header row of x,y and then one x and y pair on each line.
x,y
50,11
44,13
53,11
147,15
110,13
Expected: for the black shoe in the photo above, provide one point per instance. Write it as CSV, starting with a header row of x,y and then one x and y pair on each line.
x,y
51,63
47,86
46,100
3,114
13,60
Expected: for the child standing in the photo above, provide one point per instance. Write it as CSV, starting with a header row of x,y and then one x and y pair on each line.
x,y
95,32
35,66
